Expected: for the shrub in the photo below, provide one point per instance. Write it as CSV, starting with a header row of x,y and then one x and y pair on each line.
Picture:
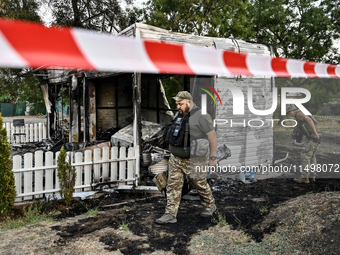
x,y
7,184
67,176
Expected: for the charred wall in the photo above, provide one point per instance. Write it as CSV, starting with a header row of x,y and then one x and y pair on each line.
x,y
114,103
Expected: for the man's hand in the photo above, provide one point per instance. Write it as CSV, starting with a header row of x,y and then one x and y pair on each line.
x,y
213,147
213,163
316,136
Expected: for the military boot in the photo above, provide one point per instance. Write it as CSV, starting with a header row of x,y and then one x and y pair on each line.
x,y
166,218
208,211
301,180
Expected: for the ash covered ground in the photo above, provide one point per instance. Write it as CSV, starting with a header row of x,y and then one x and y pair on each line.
x,y
251,208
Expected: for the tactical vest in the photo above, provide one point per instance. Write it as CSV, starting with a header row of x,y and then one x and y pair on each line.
x,y
176,132
305,128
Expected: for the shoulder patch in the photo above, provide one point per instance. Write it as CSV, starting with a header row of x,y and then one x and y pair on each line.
x,y
209,119
300,115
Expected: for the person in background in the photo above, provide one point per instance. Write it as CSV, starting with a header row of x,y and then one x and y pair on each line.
x,y
309,128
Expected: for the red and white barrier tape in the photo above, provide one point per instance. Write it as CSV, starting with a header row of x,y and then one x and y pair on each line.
x,y
324,117
25,44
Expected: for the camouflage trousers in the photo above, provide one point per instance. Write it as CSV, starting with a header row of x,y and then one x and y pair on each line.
x,y
308,158
178,168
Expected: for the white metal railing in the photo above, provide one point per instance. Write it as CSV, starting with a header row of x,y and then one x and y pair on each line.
x,y
36,174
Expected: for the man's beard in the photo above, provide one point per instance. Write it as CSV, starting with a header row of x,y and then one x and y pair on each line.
x,y
186,110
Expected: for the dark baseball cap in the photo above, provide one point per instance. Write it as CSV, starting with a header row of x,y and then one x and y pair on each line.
x,y
182,95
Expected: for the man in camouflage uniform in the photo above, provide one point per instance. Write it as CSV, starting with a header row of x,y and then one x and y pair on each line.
x,y
181,164
312,132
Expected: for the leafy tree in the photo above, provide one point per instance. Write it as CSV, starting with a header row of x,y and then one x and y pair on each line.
x,y
323,91
201,17
20,9
333,11
74,13
67,176
172,85
19,85
7,187
300,29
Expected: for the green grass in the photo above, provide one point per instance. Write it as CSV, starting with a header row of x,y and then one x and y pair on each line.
x,y
263,210
32,215
123,209
303,208
221,221
92,212
52,250
329,126
124,225
282,136
38,212
322,120
325,125
30,238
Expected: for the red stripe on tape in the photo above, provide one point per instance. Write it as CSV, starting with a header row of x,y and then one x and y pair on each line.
x,y
279,66
326,117
41,46
52,47
310,70
236,63
331,71
168,58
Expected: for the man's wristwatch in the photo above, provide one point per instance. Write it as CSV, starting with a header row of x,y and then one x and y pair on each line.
x,y
213,157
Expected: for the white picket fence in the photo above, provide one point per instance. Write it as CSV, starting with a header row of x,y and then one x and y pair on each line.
x,y
36,174
34,133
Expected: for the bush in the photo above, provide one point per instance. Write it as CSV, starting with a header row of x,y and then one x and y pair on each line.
x,y
37,108
67,177
7,184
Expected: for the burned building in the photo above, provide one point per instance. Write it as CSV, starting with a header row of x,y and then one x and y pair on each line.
x,y
112,101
